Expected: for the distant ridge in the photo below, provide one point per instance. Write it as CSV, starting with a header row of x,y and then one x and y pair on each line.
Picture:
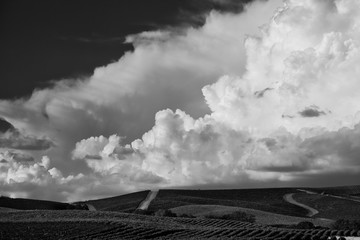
x,y
33,204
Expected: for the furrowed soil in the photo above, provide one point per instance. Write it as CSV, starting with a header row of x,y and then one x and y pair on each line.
x,y
76,224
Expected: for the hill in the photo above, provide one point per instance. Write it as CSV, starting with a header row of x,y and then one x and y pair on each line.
x,y
33,204
353,191
267,199
330,206
123,203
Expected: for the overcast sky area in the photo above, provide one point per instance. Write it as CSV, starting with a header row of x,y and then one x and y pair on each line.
x,y
102,98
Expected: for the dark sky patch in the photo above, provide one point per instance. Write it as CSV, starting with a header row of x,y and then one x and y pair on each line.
x,y
5,125
43,40
312,111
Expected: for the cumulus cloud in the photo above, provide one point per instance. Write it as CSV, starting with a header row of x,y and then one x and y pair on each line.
x,y
165,70
298,66
26,177
286,115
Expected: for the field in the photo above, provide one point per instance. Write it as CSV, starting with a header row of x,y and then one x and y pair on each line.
x,y
269,200
330,207
76,224
265,218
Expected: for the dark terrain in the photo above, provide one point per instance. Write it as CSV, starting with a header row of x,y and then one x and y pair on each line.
x,y
116,218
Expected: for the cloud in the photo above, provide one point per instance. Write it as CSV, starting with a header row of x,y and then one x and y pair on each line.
x,y
30,178
14,139
164,71
246,136
260,94
265,120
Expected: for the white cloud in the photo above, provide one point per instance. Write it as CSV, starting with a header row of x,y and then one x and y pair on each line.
x,y
164,71
283,119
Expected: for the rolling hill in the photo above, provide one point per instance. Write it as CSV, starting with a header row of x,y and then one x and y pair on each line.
x,y
123,203
269,199
262,217
34,204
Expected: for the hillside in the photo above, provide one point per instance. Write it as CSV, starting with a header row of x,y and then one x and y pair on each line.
x,y
340,191
269,199
33,204
261,217
329,206
123,203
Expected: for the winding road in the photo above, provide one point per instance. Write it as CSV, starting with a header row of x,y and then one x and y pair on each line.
x,y
151,196
311,211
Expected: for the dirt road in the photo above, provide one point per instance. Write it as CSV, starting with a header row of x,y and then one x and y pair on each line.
x,y
311,211
151,196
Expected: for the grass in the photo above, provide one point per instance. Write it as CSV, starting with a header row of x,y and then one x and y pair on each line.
x,y
330,207
123,203
265,218
269,200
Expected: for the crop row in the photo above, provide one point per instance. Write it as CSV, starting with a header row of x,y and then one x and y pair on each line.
x,y
48,230
215,223
186,229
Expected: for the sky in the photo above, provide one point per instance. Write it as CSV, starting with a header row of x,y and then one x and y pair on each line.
x,y
101,99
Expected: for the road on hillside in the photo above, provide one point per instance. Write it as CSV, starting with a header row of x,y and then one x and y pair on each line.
x,y
151,196
91,207
311,211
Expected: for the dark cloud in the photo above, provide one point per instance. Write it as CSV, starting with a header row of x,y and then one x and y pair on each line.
x,y
287,116
21,157
94,157
284,169
5,125
269,142
14,139
260,94
343,145
312,111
